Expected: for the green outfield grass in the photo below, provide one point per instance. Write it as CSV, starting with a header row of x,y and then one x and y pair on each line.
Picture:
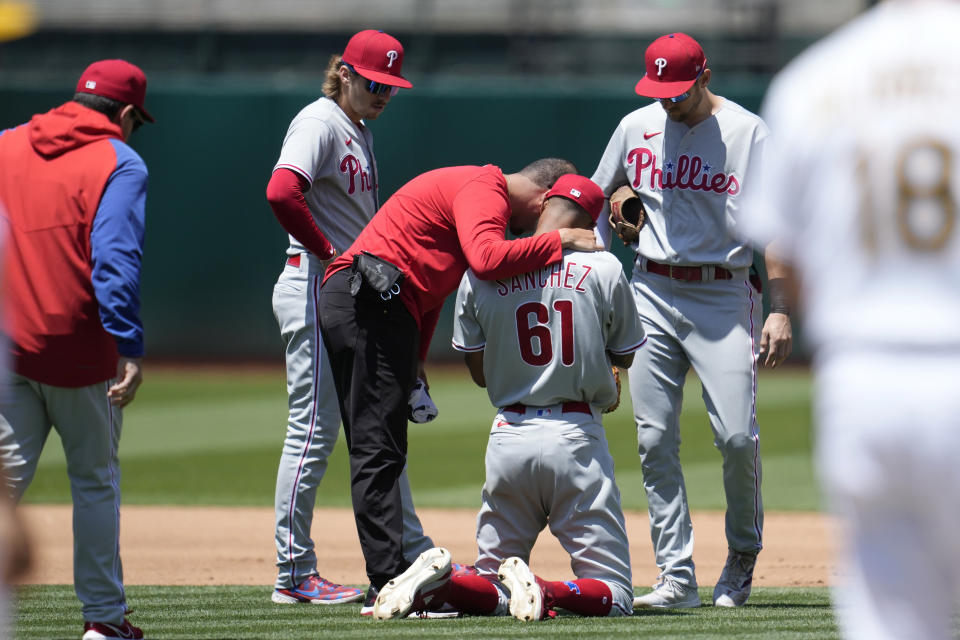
x,y
200,436
213,437
245,612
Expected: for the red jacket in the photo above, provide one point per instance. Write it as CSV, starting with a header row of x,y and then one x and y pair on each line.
x,y
54,171
439,224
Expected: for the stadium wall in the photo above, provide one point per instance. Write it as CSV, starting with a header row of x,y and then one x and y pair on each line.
x,y
213,247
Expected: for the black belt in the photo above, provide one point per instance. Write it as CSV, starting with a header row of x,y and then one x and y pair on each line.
x,y
566,407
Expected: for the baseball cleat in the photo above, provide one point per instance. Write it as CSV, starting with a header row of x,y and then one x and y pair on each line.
x,y
444,611
415,588
367,608
669,594
108,631
462,570
316,590
526,594
733,588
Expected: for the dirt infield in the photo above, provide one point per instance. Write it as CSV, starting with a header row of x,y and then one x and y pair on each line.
x,y
225,545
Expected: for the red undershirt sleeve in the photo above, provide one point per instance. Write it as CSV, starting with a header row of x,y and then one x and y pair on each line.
x,y
285,195
481,211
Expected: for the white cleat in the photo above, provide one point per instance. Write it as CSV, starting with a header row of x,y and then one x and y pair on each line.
x,y
669,594
526,595
415,588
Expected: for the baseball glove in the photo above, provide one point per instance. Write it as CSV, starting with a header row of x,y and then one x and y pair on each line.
x,y
627,214
616,378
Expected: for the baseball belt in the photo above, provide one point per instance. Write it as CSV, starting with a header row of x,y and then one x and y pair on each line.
x,y
688,274
566,407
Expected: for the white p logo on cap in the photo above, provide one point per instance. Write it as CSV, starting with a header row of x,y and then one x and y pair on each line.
x,y
393,56
661,65
91,84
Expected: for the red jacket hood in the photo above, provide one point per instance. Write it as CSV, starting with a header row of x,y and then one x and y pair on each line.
x,y
69,126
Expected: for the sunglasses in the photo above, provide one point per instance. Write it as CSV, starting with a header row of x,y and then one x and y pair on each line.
x,y
376,88
684,96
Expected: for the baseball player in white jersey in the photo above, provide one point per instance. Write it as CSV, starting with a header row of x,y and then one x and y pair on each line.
x,y
687,157
324,191
542,344
862,199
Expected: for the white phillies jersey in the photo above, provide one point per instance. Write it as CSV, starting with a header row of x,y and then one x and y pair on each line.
x,y
689,179
336,157
862,178
545,333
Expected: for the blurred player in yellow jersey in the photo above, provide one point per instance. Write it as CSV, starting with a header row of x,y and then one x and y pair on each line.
x,y
861,193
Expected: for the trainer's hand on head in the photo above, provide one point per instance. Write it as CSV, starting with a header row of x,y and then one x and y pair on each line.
x,y
129,377
579,239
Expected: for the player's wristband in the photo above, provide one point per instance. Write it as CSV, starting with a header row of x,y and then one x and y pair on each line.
x,y
779,300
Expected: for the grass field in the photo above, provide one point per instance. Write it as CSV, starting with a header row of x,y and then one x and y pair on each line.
x,y
213,437
243,612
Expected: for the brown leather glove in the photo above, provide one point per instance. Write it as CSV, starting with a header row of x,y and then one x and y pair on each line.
x,y
616,377
627,214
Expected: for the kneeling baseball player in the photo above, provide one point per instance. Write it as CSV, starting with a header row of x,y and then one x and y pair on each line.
x,y
552,336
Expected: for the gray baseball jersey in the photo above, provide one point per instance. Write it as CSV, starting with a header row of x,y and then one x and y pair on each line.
x,y
562,320
690,180
544,336
336,156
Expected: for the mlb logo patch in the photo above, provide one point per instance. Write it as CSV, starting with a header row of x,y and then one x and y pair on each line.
x,y
91,84
576,193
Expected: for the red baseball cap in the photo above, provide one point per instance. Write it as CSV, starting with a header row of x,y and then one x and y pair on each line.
x,y
376,56
118,80
584,191
674,62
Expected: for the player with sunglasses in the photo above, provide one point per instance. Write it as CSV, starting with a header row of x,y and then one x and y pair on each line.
x,y
372,86
323,191
687,157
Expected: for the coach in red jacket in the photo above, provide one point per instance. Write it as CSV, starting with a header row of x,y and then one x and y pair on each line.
x,y
74,196
432,229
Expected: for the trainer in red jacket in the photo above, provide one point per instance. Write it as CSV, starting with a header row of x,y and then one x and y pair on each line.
x,y
432,229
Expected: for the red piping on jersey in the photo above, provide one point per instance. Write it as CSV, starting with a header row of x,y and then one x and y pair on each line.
x,y
631,349
311,430
753,418
460,347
